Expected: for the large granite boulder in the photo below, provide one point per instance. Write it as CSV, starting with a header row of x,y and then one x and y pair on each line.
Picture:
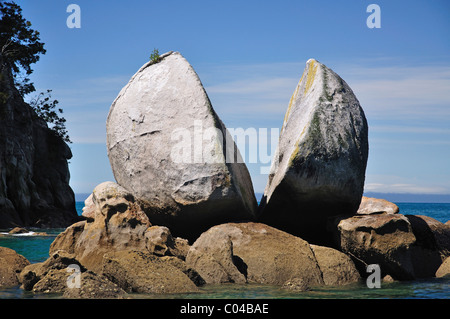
x,y
159,241
319,167
383,239
168,147
34,173
405,247
254,253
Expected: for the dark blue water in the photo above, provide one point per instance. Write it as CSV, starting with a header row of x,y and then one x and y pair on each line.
x,y
438,211
35,249
79,207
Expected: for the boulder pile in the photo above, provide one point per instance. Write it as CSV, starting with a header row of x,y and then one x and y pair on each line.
x,y
183,212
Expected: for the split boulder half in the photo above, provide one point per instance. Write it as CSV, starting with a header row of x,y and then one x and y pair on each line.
x,y
319,166
168,147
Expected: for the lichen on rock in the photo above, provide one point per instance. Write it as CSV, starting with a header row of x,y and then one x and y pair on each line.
x,y
318,170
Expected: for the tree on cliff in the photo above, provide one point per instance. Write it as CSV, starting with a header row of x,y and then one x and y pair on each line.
x,y
20,47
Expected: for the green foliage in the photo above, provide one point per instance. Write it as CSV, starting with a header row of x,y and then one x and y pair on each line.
x,y
46,109
20,45
155,57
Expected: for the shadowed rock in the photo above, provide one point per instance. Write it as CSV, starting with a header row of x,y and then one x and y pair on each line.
x,y
405,247
34,172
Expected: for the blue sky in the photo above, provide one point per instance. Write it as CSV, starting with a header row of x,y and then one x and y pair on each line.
x,y
250,56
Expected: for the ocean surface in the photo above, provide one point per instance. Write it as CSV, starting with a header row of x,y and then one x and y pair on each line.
x,y
35,249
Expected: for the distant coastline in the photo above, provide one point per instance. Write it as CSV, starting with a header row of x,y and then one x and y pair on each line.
x,y
392,197
401,197
411,198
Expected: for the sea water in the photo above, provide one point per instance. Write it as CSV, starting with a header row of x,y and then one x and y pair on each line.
x,y
35,249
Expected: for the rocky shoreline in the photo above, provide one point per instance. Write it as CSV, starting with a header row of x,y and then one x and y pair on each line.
x,y
151,261
178,219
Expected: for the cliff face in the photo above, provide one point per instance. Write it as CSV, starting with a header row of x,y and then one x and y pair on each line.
x,y
34,173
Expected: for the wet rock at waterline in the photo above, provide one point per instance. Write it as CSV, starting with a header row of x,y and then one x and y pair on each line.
x,y
254,253
137,271
319,167
63,274
400,244
257,253
11,263
168,147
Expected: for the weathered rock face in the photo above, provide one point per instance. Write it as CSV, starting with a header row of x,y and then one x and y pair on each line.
x,y
11,263
319,166
117,222
370,205
34,174
67,239
168,147
255,253
399,244
53,276
118,250
95,287
56,265
160,242
136,271
337,268
383,239
213,258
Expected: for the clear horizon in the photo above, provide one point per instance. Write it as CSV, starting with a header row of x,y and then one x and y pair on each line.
x,y
249,56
